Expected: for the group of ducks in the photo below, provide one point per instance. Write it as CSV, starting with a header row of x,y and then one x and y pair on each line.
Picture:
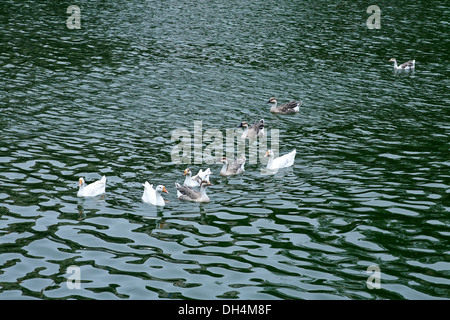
x,y
188,190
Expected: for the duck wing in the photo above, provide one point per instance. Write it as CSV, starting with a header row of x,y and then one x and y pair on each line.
x,y
289,107
408,64
187,193
195,180
253,130
96,188
286,160
204,175
238,165
149,193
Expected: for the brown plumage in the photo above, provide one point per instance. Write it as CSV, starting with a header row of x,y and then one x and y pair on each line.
x,y
290,107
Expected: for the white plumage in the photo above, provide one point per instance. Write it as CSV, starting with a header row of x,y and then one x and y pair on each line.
x,y
194,181
153,196
408,65
284,161
91,190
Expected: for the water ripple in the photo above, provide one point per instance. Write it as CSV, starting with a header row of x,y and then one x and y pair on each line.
x,y
369,186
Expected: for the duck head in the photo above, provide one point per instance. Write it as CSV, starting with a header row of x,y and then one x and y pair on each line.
x,y
205,183
272,100
268,153
223,160
161,188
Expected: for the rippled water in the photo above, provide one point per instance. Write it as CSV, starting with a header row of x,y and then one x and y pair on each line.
x,y
370,185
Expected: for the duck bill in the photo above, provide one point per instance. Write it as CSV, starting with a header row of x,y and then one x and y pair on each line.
x,y
165,190
267,154
80,182
185,172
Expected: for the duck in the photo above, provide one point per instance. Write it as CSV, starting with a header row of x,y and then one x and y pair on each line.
x,y
91,190
189,194
284,161
197,179
290,107
153,196
253,132
408,65
235,167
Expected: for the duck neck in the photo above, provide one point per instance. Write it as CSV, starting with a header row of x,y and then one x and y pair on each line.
x,y
188,179
224,167
203,192
395,64
274,105
159,198
269,164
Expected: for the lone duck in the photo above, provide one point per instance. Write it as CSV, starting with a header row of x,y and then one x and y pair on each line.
x,y
153,196
290,107
284,161
408,65
256,130
235,167
189,194
91,190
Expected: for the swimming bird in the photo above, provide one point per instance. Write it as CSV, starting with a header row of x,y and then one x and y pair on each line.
x,y
284,161
91,190
194,181
153,196
235,167
256,130
409,65
189,194
290,107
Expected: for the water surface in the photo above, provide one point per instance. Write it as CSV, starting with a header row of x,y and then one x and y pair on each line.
x,y
370,184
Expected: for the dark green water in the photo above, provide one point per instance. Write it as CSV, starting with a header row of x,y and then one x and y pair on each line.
x,y
370,184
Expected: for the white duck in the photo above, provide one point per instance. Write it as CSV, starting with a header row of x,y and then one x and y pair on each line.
x,y
290,107
189,194
153,196
284,161
256,130
235,167
197,179
409,65
94,189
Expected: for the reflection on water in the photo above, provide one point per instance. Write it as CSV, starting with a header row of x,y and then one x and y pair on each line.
x,y
369,186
